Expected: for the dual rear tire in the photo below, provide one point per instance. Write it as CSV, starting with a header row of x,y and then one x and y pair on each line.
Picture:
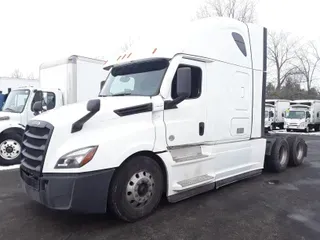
x,y
285,152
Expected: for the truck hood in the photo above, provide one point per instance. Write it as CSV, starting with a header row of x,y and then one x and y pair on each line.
x,y
67,115
5,116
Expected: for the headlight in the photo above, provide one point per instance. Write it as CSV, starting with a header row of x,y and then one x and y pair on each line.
x,y
77,158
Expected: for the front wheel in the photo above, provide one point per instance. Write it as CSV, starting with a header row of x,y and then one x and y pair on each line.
x,y
307,129
136,189
10,149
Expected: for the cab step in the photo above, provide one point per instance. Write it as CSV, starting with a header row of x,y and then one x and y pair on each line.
x,y
193,182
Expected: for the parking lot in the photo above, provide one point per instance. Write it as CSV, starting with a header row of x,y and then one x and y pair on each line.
x,y
271,206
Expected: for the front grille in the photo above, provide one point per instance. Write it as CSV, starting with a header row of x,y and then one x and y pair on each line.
x,y
35,143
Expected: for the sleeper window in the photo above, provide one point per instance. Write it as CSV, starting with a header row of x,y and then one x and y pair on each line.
x,y
196,80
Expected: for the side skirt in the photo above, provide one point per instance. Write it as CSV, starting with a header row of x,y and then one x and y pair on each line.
x,y
202,189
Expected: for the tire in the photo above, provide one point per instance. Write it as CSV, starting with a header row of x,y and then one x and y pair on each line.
x,y
281,126
297,152
288,130
10,149
279,158
272,127
316,128
140,173
307,129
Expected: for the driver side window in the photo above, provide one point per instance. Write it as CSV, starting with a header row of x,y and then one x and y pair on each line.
x,y
48,99
308,115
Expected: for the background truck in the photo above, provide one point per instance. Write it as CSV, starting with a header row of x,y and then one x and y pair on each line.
x,y
6,84
303,115
275,111
159,128
70,80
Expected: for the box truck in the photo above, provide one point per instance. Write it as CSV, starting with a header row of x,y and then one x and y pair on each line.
x,y
158,126
275,111
303,115
7,83
62,82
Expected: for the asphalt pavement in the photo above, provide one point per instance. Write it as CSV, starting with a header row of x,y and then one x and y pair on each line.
x,y
270,206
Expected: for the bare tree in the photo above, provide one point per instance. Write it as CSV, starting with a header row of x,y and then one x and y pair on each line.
x,y
17,74
31,76
281,56
242,10
308,61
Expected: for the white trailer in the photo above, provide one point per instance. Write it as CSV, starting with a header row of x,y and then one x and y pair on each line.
x,y
303,115
12,83
159,126
70,80
275,113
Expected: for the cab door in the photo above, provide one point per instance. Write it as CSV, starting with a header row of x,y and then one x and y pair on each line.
x,y
186,123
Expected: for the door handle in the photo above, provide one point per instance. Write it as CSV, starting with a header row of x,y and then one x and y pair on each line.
x,y
201,128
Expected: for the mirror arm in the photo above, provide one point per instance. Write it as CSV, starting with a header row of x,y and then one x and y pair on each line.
x,y
170,104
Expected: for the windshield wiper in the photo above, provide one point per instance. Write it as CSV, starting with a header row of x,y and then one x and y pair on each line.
x,y
121,94
9,110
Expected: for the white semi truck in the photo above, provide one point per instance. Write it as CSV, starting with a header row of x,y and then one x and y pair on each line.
x,y
159,126
62,82
303,115
275,111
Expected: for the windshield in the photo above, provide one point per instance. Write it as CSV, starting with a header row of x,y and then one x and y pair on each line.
x,y
139,79
296,114
16,101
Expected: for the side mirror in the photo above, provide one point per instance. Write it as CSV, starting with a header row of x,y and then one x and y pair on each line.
x,y
93,105
37,107
271,114
184,82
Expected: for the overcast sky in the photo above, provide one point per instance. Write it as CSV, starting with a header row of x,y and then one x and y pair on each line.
x,y
35,31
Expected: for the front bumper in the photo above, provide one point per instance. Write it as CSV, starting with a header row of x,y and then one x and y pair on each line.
x,y
85,192
295,127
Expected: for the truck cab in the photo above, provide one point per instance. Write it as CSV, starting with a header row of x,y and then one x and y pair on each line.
x,y
303,115
17,111
298,118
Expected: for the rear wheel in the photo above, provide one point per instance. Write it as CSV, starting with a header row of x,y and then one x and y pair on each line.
x,y
279,158
297,151
10,149
316,128
136,189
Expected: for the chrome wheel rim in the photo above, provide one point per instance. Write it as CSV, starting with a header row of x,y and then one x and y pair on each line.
x,y
300,151
283,155
140,189
10,149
